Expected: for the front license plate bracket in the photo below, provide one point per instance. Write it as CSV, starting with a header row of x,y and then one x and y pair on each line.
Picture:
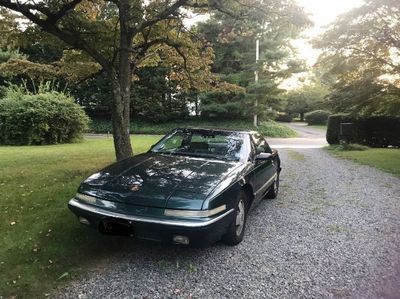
x,y
116,227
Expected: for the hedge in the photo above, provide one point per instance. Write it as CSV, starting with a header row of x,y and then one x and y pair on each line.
x,y
333,130
284,117
45,118
378,131
317,117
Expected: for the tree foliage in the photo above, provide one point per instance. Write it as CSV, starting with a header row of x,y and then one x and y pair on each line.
x,y
307,98
274,23
362,51
120,37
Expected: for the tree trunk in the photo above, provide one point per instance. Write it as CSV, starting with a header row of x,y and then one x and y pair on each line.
x,y
120,117
301,116
121,81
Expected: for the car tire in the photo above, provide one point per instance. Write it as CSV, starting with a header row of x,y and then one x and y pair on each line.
x,y
273,191
236,229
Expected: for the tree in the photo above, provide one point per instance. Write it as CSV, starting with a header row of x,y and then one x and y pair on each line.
x,y
154,95
120,36
8,27
234,44
307,98
361,50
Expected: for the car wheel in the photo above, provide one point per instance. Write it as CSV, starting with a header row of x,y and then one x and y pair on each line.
x,y
273,191
236,230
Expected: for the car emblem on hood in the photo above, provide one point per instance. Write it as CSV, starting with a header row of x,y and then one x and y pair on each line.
x,y
135,186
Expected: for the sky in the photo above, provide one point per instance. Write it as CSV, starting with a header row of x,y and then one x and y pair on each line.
x,y
322,13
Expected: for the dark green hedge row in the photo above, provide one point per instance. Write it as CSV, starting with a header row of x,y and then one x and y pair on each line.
x,y
378,131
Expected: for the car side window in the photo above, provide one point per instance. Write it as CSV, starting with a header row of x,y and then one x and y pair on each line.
x,y
174,142
261,144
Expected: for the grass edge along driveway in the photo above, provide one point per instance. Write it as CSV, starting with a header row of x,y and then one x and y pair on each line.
x,y
385,159
42,245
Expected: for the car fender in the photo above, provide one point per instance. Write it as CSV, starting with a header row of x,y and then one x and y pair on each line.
x,y
228,190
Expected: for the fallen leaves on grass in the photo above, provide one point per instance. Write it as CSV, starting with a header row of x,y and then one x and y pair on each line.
x,y
65,274
35,248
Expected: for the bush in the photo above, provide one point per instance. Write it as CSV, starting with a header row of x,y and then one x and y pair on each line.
x,y
333,130
317,117
284,117
372,131
273,129
379,131
47,117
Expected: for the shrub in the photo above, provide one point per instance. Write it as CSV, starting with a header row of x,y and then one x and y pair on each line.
x,y
47,117
333,130
379,131
284,117
273,129
8,54
372,131
317,117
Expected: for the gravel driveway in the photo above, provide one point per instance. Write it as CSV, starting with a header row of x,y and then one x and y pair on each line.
x,y
332,232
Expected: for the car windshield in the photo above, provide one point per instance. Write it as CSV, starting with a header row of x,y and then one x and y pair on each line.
x,y
203,143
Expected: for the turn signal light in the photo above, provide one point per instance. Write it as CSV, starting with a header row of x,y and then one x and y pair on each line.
x,y
84,221
181,239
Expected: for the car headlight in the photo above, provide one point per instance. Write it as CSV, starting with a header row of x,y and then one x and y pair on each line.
x,y
85,198
189,213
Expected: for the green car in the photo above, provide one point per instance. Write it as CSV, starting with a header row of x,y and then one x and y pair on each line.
x,y
194,187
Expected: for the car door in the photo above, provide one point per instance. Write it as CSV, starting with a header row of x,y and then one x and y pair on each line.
x,y
264,169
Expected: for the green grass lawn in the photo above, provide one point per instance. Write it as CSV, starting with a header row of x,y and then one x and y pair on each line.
x,y
42,245
386,159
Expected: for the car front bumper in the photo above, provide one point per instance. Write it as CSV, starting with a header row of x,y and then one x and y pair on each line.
x,y
200,231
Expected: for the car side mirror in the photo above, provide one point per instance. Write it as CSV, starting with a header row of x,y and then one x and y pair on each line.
x,y
263,156
260,150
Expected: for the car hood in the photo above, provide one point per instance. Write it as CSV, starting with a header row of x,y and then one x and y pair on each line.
x,y
158,180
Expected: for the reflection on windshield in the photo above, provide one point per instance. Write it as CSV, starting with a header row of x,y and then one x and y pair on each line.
x,y
203,143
